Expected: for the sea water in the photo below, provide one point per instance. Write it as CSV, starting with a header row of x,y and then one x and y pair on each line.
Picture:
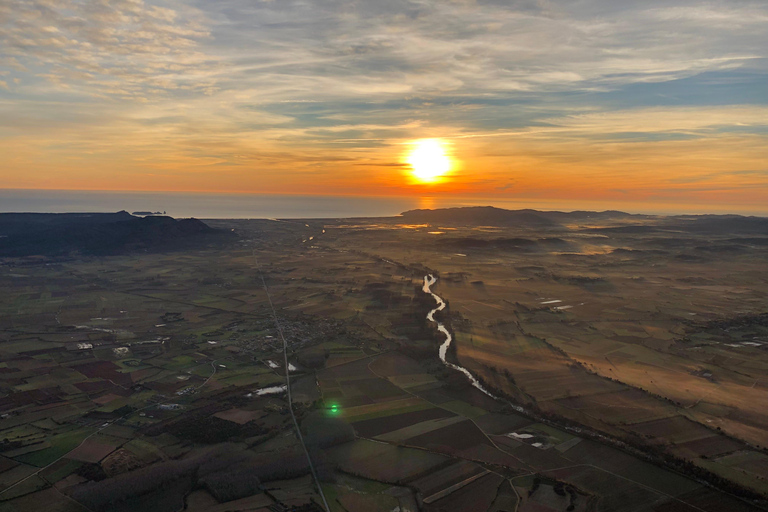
x,y
205,206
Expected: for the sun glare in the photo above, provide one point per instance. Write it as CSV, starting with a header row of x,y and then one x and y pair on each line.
x,y
428,160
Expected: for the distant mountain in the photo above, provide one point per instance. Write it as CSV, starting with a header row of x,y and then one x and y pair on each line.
x,y
696,224
491,216
721,224
479,216
59,234
12,223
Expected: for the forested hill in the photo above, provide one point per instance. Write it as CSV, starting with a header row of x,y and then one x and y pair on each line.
x,y
59,234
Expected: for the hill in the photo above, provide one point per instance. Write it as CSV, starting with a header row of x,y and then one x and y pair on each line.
x,y
58,234
492,216
639,224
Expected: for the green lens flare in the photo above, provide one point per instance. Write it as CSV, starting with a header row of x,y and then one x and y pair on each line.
x,y
334,409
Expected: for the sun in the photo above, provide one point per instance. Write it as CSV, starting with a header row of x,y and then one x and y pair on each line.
x,y
428,160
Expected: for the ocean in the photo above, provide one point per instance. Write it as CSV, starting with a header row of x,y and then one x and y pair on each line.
x,y
206,206
260,206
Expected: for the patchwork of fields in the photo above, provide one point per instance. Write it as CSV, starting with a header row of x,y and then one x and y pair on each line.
x,y
621,391
656,340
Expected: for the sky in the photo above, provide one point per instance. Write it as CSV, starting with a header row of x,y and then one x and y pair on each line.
x,y
591,101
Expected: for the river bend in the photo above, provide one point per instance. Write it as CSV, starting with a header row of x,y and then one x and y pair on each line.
x,y
429,280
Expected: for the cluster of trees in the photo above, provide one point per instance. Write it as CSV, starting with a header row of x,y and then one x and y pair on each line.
x,y
459,321
321,432
228,474
116,493
313,358
560,488
383,297
6,445
739,321
226,471
324,432
203,429
91,471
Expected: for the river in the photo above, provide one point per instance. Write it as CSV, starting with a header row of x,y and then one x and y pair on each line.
x,y
429,280
580,431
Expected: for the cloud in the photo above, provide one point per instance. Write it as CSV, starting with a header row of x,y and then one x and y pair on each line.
x,y
663,120
330,86
123,48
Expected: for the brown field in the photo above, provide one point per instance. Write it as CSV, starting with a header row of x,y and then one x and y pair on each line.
x,y
94,449
710,447
377,426
749,461
384,462
451,438
367,411
630,406
48,500
418,429
501,423
676,429
615,493
6,464
496,454
447,477
239,416
476,496
703,499
353,502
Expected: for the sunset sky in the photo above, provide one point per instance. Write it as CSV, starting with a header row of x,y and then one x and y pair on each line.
x,y
604,101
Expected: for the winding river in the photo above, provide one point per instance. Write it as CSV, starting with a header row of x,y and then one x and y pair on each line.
x,y
429,280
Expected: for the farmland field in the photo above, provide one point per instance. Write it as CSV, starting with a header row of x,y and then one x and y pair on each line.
x,y
627,372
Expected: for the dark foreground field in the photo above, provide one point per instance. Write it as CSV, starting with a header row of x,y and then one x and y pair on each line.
x,y
628,352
